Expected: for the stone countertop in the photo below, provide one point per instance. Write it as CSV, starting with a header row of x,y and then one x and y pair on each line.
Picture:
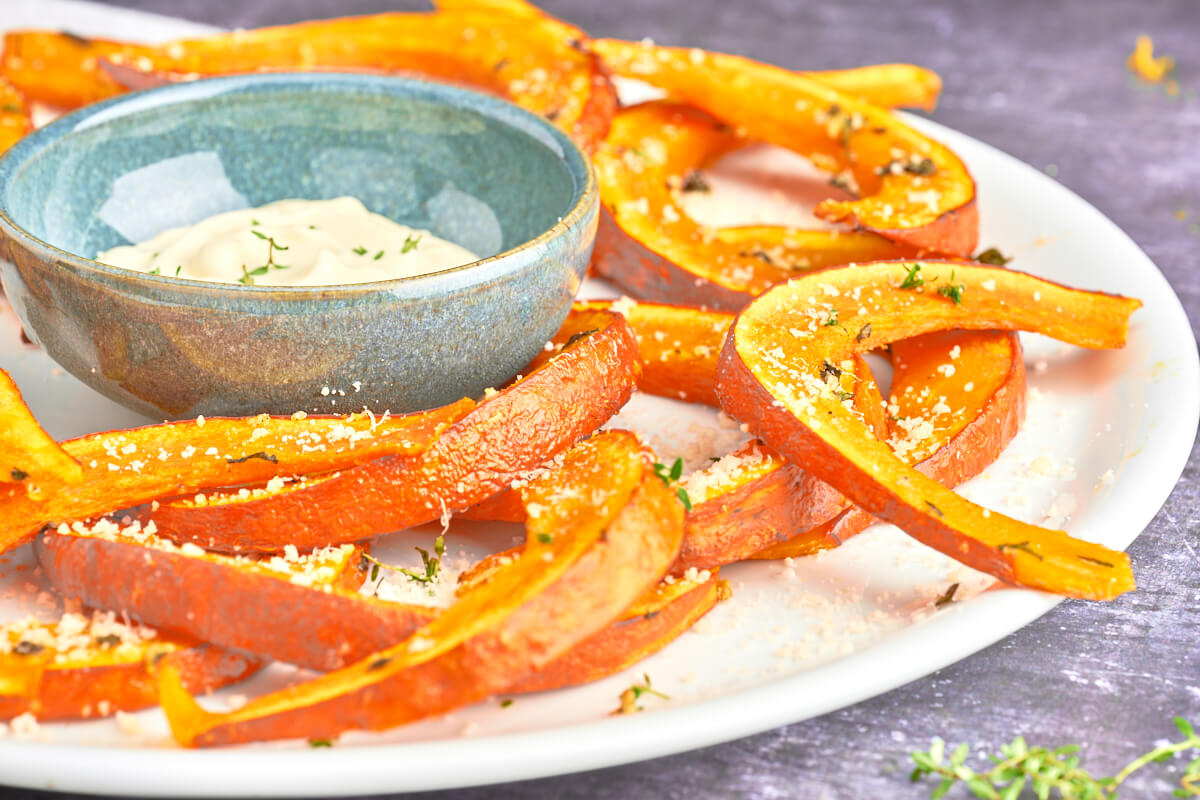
x,y
1046,83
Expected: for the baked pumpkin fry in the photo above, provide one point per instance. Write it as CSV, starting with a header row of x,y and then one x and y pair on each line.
x,y
15,120
511,433
910,188
126,468
602,530
649,626
647,244
28,456
537,63
317,618
773,381
81,668
949,423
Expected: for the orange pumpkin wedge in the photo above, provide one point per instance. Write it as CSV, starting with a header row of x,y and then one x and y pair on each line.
x,y
129,467
889,85
910,188
28,456
504,438
89,667
15,120
664,614
304,610
647,244
537,63
770,376
949,423
602,530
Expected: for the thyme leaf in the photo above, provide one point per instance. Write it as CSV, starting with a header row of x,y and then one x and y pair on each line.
x,y
1043,770
911,281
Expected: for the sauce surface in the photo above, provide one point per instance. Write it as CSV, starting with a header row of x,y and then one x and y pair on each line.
x,y
292,243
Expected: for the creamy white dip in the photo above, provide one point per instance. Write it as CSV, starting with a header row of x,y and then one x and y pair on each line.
x,y
292,243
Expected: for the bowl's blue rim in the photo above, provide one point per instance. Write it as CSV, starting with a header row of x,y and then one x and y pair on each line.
x,y
578,164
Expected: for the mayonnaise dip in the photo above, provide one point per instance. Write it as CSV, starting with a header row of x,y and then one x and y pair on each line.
x,y
292,243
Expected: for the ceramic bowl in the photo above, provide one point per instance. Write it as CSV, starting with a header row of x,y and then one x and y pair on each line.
x,y
471,168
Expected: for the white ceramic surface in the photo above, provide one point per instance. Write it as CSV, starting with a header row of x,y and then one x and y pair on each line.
x,y
795,641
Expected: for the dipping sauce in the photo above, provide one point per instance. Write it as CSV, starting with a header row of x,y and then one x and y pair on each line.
x,y
292,243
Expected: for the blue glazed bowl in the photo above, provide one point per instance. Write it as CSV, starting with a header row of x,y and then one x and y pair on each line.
x,y
471,168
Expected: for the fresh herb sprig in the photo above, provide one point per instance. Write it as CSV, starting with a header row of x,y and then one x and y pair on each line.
x,y
670,475
1045,770
248,275
431,565
911,281
631,696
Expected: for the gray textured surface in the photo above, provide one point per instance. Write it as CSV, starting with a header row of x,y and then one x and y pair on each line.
x,y
1045,82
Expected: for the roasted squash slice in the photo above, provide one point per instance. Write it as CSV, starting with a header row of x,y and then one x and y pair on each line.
x,y
910,188
771,376
602,530
648,245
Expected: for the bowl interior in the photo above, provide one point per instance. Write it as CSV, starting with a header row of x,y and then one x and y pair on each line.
x,y
467,167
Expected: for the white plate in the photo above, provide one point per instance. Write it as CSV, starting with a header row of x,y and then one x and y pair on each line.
x,y
795,641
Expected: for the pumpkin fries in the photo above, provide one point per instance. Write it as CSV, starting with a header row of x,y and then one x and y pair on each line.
x,y
193,533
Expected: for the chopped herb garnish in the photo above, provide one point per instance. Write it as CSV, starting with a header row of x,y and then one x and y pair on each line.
x,y
248,275
693,181
682,494
360,250
630,697
921,166
829,371
253,222
379,663
946,597
27,648
934,509
430,565
864,333
506,702
378,255
156,271
833,319
545,538
668,476
312,227
320,743
1091,560
178,270
410,243
12,108
264,456
844,396
1022,546
992,256
18,474
954,292
911,281
575,337
108,640
259,234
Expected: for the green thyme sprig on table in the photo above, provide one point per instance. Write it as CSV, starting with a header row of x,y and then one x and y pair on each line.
x,y
1045,771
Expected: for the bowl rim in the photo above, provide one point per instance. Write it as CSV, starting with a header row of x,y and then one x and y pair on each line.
x,y
578,164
